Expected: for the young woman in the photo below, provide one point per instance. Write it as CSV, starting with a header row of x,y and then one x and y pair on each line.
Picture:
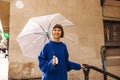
x,y
53,59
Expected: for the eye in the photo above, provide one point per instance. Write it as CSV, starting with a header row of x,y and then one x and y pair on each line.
x,y
59,29
54,29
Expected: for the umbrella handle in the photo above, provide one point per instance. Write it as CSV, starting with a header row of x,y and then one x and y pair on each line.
x,y
52,50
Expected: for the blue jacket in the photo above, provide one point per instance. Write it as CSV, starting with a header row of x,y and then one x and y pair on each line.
x,y
59,71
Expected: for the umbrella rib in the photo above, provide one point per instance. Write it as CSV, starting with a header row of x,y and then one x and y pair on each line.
x,y
34,43
66,37
41,33
51,22
47,34
44,30
40,25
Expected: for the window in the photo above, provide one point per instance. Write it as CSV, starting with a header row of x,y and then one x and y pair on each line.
x,y
112,32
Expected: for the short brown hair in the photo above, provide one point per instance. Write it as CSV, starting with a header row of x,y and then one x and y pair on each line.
x,y
60,27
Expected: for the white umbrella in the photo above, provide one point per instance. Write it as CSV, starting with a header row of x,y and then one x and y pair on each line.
x,y
37,32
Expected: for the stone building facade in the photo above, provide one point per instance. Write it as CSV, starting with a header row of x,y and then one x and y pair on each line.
x,y
87,33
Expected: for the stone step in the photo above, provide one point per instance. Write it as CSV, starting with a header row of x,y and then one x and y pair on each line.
x,y
113,61
113,52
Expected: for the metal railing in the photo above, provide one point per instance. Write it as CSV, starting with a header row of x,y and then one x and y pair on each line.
x,y
87,68
103,58
104,55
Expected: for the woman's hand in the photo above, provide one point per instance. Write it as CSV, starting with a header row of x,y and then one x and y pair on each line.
x,y
82,66
55,60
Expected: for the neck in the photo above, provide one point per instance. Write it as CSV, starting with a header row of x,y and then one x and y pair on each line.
x,y
56,40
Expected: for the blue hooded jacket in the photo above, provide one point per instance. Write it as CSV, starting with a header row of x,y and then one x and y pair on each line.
x,y
59,71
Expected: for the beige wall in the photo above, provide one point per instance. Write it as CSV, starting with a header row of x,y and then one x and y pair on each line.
x,y
87,34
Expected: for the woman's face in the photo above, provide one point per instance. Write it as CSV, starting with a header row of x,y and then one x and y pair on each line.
x,y
56,33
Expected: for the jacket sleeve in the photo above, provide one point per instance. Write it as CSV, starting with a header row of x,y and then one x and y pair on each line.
x,y
45,65
73,65
69,64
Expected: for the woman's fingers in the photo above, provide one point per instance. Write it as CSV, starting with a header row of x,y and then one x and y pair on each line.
x,y
82,66
54,60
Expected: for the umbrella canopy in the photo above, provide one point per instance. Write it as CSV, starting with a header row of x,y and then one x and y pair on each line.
x,y
37,32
